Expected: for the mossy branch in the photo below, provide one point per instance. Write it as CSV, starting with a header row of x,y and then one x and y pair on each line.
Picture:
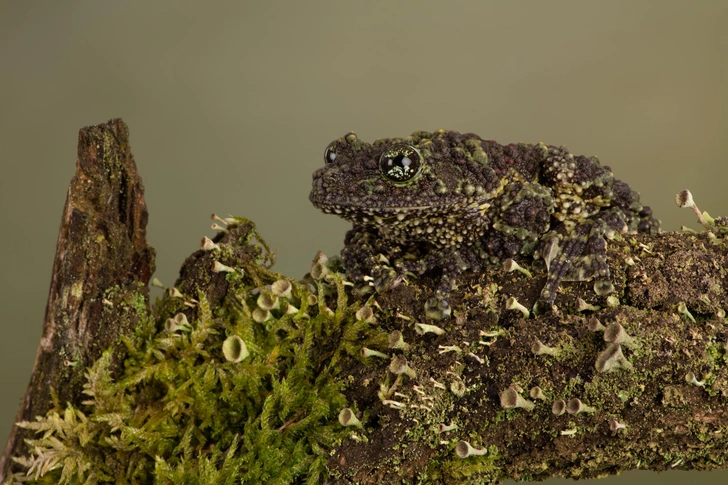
x,y
637,379
240,374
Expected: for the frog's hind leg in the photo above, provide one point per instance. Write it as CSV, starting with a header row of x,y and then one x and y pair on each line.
x,y
580,254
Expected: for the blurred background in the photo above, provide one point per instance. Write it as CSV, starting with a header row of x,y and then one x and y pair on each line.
x,y
231,104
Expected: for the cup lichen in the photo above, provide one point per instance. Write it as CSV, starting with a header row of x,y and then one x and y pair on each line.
x,y
348,418
558,407
366,352
423,328
513,304
614,333
463,450
282,289
692,380
682,309
396,341
398,366
510,265
458,388
537,393
234,349
594,325
615,425
539,348
583,306
575,406
510,399
612,359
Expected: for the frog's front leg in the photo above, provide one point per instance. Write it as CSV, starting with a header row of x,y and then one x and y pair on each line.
x,y
452,262
376,263
363,259
390,265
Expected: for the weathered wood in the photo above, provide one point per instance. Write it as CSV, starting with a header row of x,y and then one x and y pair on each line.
x,y
100,274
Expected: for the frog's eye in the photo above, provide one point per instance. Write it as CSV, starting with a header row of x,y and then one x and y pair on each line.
x,y
400,163
330,153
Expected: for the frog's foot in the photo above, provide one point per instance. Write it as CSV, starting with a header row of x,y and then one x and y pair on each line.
x,y
437,309
389,272
452,263
367,262
579,254
384,278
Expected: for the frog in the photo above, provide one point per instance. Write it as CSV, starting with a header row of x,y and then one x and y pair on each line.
x,y
452,202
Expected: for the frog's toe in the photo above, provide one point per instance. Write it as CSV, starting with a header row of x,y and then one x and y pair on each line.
x,y
385,279
548,292
362,288
437,309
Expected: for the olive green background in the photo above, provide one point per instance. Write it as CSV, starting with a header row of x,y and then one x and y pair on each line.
x,y
231,104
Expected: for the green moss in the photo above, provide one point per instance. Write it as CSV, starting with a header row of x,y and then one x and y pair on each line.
x,y
180,413
474,469
717,354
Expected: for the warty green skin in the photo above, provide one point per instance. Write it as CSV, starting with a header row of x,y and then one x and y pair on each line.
x,y
472,204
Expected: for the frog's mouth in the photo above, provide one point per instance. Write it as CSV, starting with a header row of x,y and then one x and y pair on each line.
x,y
387,216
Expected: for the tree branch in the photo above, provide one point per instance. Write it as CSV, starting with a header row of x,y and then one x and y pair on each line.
x,y
602,384
649,359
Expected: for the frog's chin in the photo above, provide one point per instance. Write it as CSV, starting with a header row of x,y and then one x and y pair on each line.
x,y
385,216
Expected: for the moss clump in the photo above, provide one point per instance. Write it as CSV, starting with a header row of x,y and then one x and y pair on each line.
x,y
177,411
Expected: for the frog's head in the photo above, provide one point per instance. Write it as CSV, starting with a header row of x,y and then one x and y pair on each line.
x,y
403,179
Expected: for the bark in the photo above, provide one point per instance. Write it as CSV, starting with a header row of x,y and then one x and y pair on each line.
x,y
100,274
665,410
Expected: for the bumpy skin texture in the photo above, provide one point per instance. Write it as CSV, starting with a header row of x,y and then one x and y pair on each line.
x,y
456,202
